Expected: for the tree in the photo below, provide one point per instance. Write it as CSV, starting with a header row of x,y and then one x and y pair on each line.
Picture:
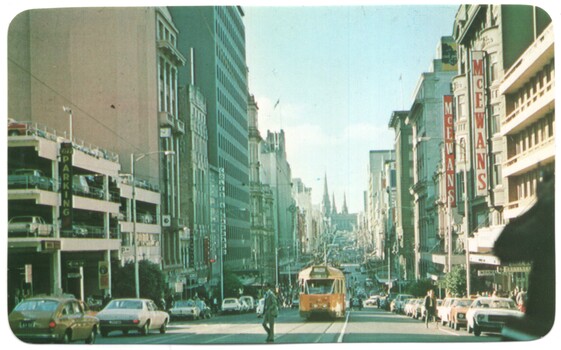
x,y
455,281
151,281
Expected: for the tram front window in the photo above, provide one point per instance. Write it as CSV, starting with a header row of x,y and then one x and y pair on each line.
x,y
320,287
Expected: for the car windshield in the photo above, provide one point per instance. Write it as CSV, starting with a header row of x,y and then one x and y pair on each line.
x,y
183,303
463,302
499,304
125,304
229,301
37,305
319,286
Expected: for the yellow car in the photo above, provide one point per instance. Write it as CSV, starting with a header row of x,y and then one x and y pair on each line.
x,y
53,319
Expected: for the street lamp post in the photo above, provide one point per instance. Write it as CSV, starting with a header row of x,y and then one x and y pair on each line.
x,y
466,218
135,241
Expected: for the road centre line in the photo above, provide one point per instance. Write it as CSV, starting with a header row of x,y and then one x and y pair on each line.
x,y
340,339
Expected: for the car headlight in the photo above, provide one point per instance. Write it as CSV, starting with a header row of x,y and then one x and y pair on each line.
x,y
480,317
461,316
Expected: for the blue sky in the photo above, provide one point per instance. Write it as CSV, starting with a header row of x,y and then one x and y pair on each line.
x,y
335,71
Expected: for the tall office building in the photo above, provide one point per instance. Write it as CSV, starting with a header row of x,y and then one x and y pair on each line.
x,y
115,71
216,37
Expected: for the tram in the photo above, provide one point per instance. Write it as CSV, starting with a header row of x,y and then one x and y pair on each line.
x,y
322,291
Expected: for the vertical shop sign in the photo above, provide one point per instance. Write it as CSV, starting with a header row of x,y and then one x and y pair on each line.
x,y
103,274
480,138
66,186
449,155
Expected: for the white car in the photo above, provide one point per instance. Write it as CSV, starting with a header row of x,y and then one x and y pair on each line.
x,y
249,300
125,315
185,309
231,305
489,314
444,310
400,302
260,307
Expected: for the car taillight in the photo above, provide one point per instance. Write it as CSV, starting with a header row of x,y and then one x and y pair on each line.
x,y
136,321
52,324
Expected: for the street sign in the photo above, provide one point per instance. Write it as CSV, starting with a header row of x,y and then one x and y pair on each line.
x,y
103,274
75,263
28,273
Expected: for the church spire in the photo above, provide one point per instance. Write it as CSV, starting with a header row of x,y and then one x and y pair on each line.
x,y
344,210
325,204
333,204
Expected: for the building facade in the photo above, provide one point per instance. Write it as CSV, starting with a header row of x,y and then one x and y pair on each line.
x,y
509,49
426,120
404,218
216,36
76,58
377,159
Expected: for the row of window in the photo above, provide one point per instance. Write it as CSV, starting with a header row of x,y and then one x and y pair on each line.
x,y
534,87
532,136
232,98
232,150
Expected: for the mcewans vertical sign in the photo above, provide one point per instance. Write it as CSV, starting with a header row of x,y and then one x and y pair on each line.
x,y
449,156
479,132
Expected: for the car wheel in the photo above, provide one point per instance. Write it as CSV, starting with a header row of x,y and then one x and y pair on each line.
x,y
164,326
469,329
144,330
476,331
91,338
456,326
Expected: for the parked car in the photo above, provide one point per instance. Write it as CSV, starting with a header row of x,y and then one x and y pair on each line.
x,y
53,319
489,314
419,312
399,302
125,315
16,128
444,310
260,306
79,231
231,305
29,178
249,300
458,312
408,308
29,226
185,309
372,301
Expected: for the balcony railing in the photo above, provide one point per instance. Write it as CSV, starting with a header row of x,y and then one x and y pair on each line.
x,y
28,128
529,153
530,101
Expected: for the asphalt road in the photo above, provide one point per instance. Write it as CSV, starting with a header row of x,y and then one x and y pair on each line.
x,y
370,325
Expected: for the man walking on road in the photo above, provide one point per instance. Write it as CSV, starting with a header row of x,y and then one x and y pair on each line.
x,y
430,308
270,312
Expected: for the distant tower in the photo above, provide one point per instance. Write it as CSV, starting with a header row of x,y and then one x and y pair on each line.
x,y
325,204
345,210
334,207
